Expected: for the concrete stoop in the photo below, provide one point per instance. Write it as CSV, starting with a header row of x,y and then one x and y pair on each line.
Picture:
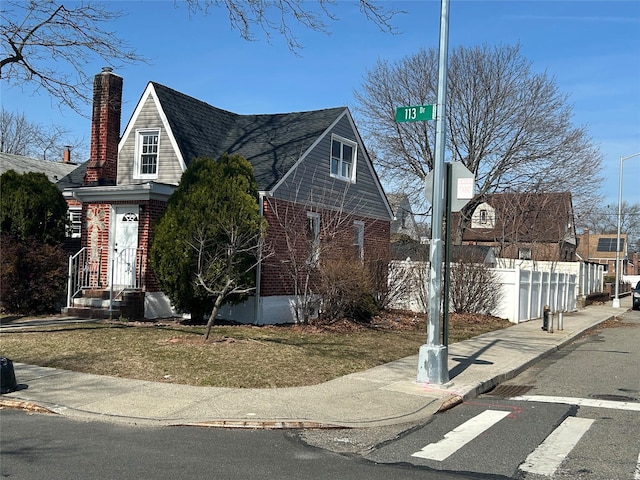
x,y
96,304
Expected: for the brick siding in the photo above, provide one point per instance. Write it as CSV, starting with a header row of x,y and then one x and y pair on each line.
x,y
287,243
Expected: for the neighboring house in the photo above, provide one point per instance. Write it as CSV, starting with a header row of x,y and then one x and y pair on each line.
x,y
64,174
525,226
309,165
633,264
601,249
404,223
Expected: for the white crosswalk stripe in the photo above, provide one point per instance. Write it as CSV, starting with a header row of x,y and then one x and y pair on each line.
x,y
546,459
460,436
583,402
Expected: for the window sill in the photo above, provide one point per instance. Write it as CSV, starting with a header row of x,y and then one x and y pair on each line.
x,y
344,179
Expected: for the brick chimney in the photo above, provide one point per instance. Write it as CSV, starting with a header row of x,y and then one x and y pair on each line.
x,y
105,129
66,155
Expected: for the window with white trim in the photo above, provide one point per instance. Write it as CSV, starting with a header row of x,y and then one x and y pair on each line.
x,y
313,237
358,239
74,228
343,158
147,149
524,253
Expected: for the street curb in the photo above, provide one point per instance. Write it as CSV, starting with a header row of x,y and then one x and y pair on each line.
x,y
264,425
491,383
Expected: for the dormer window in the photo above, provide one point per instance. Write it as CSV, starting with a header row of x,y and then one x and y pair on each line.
x,y
343,158
147,149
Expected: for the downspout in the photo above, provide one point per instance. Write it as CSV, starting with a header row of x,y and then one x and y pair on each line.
x,y
257,310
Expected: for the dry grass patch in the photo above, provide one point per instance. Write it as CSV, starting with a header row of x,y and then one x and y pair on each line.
x,y
234,356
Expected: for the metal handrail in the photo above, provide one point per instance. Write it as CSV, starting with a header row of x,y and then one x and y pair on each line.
x,y
86,272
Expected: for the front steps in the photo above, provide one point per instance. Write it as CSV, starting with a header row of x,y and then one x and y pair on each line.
x,y
95,304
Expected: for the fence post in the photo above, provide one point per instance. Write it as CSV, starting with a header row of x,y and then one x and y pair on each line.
x,y
529,296
517,286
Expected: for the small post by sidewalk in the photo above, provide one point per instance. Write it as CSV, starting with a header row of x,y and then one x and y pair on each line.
x,y
545,318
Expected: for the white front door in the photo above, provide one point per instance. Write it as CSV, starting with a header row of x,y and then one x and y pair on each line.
x,y
124,245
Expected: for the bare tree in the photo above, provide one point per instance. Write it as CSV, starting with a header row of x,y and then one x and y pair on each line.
x,y
222,266
605,220
510,126
474,287
34,32
307,233
320,253
20,136
409,285
297,266
17,134
278,16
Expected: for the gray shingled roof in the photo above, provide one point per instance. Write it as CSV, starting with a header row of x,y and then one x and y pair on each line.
x,y
271,143
55,171
74,179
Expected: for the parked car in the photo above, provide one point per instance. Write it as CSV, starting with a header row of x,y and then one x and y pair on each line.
x,y
636,297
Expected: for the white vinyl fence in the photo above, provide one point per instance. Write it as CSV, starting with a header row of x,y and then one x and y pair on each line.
x,y
524,292
590,276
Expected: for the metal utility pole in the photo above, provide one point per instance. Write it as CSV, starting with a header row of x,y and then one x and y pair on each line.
x,y
616,298
432,357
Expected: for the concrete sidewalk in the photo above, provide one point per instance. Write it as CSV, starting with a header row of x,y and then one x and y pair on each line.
x,y
382,396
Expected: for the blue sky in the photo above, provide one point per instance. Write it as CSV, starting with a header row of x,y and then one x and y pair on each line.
x,y
591,48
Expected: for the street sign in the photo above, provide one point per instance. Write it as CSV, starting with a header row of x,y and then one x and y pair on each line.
x,y
462,183
416,113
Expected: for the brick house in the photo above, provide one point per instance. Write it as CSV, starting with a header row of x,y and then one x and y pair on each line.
x,y
525,226
313,173
601,248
